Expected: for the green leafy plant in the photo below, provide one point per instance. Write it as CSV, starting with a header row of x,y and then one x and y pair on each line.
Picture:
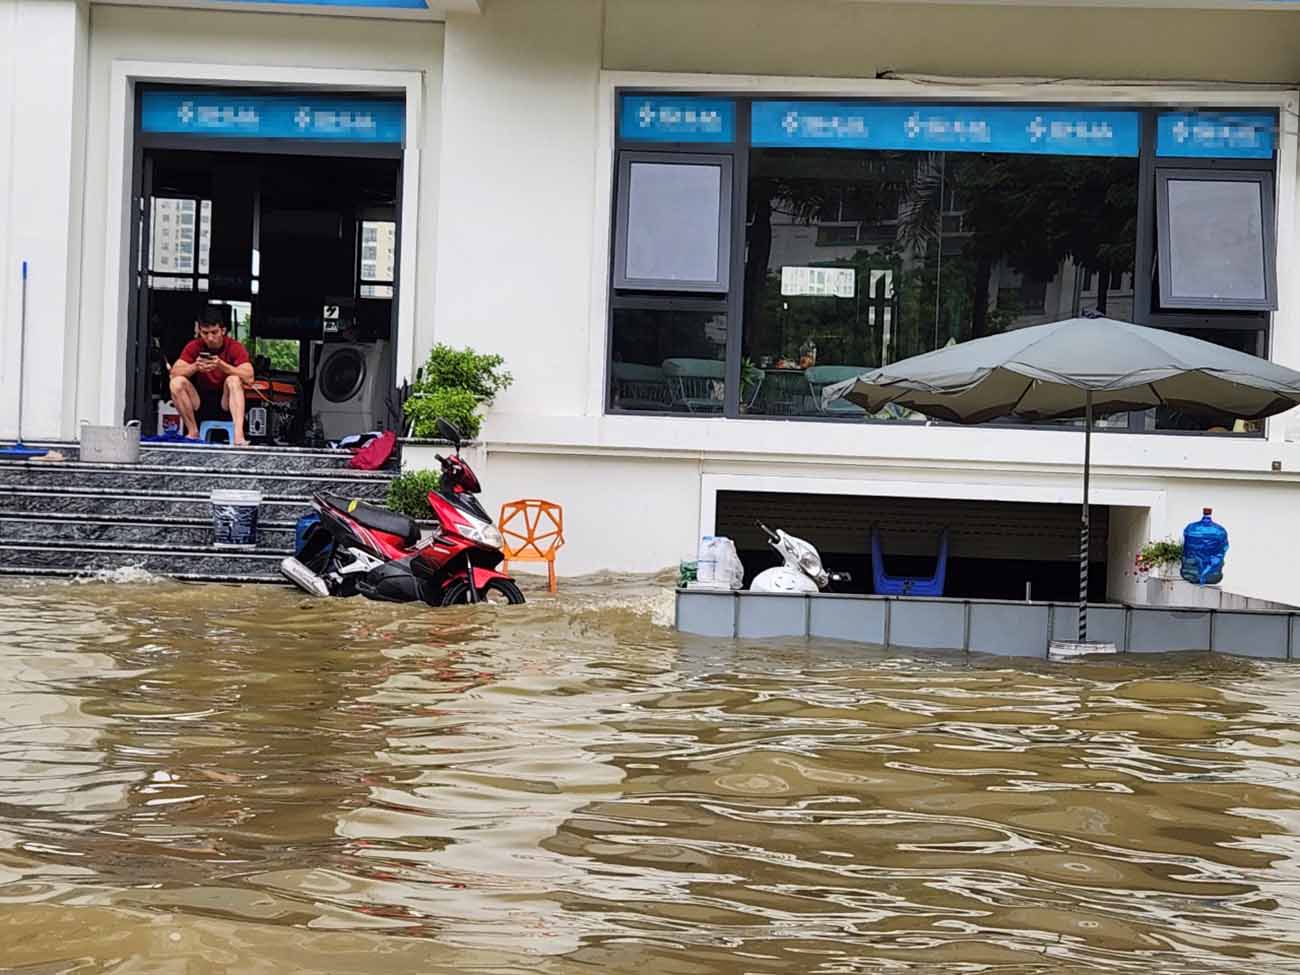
x,y
458,406
454,384
1163,552
409,493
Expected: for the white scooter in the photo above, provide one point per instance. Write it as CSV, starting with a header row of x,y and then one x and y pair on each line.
x,y
802,571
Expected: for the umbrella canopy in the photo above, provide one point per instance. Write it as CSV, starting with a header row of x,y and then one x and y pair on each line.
x,y
1043,372
1077,367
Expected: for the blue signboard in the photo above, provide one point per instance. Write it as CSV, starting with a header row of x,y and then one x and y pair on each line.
x,y
236,115
947,128
369,4
666,118
1215,135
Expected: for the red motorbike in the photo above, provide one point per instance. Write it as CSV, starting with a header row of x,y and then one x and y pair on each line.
x,y
361,548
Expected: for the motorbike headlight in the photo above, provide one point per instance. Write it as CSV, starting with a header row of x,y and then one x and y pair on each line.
x,y
483,534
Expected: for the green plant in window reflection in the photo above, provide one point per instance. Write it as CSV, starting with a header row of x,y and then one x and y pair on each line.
x,y
283,353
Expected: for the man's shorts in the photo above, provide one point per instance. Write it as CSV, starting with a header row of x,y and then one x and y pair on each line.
x,y
209,402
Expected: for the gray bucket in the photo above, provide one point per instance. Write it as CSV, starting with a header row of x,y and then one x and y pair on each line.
x,y
234,518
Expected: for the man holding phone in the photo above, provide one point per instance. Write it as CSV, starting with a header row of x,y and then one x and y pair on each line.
x,y
211,369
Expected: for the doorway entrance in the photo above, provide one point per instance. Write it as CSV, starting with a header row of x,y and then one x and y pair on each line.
x,y
294,243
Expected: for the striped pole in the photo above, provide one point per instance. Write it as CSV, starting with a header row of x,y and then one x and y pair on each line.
x,y
1084,550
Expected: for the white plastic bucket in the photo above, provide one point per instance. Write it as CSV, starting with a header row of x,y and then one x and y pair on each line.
x,y
234,518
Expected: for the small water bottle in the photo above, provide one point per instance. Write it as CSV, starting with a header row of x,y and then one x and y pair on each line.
x,y
1205,544
706,568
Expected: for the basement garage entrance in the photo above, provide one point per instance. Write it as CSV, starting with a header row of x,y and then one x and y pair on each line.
x,y
279,212
995,548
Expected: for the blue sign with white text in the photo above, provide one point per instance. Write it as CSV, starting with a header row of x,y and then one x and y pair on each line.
x,y
665,118
946,128
1216,135
236,115
389,4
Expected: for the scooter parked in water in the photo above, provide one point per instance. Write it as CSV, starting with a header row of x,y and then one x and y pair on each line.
x,y
802,570
365,549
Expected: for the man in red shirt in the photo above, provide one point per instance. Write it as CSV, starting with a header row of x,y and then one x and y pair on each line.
x,y
212,367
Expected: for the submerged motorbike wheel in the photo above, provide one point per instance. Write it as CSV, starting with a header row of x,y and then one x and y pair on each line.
x,y
498,592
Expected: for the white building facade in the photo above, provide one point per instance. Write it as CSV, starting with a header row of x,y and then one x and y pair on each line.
x,y
542,155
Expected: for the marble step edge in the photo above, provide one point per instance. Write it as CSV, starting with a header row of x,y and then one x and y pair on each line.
x,y
144,548
326,473
46,572
78,518
259,450
152,494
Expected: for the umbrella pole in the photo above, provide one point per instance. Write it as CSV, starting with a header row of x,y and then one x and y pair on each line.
x,y
1084,550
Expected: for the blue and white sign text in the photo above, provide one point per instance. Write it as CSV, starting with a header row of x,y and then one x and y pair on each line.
x,y
656,118
235,115
1221,135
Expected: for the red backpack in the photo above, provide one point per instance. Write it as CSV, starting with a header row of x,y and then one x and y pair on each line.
x,y
375,454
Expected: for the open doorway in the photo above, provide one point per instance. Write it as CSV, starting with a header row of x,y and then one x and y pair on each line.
x,y
299,250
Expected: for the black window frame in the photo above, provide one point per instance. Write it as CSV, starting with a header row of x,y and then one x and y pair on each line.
x,y
721,282
1164,175
1146,309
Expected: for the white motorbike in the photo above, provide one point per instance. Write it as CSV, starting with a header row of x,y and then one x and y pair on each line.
x,y
802,570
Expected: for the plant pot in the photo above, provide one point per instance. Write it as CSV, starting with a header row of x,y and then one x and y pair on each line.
x,y
1164,571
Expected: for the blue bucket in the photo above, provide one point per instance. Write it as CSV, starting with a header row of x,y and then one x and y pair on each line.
x,y
234,518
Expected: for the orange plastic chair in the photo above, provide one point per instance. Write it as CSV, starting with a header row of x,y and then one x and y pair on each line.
x,y
533,531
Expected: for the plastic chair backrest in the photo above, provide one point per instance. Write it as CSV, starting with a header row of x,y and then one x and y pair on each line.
x,y
533,529
887,585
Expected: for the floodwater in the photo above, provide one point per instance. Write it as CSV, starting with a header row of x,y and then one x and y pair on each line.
x,y
221,779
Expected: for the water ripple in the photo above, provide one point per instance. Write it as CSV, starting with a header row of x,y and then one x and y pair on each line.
x,y
218,778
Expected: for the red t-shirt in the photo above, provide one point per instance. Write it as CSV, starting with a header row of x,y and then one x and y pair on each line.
x,y
232,352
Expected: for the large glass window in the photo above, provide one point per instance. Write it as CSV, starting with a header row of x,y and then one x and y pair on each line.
x,y
859,258
669,356
765,249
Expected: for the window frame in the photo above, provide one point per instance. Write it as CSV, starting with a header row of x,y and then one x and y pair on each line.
x,y
721,282
1164,175
1146,308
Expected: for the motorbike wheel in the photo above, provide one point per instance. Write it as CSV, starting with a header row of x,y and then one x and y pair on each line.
x,y
498,592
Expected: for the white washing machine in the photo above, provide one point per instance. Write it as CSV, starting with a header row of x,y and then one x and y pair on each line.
x,y
350,387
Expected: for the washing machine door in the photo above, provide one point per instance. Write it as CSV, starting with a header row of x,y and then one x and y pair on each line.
x,y
342,375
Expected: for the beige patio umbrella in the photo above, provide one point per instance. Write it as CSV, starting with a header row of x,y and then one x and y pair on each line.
x,y
1078,367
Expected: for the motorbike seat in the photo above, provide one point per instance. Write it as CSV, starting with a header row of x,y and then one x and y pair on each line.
x,y
378,519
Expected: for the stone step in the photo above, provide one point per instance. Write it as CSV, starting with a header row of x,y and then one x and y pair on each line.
x,y
110,504
86,560
188,481
131,533
276,459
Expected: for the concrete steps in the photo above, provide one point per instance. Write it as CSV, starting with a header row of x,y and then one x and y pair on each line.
x,y
68,518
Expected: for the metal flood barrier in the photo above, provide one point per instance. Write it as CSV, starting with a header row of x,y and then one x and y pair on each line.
x,y
1003,627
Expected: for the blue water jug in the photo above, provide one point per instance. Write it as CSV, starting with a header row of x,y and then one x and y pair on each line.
x,y
1205,543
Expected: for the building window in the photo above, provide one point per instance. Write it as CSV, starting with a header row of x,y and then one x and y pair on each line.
x,y
862,232
1216,239
946,247
674,226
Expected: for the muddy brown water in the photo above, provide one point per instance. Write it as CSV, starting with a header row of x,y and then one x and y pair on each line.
x,y
223,779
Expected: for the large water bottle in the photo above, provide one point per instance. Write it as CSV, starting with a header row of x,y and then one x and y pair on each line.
x,y
1205,543
707,567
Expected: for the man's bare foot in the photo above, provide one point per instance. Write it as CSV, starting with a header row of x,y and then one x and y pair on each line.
x,y
241,443
192,433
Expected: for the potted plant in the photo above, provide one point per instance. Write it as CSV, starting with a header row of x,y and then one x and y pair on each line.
x,y
1160,560
408,493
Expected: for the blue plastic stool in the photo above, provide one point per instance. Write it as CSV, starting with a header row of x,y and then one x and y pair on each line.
x,y
207,426
887,585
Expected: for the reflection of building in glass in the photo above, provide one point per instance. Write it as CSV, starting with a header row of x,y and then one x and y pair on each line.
x,y
180,241
378,257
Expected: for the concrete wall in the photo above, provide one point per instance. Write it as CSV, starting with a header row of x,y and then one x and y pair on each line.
x,y
515,234
860,40
42,108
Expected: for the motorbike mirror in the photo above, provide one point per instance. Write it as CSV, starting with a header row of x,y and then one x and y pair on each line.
x,y
772,536
841,577
447,431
